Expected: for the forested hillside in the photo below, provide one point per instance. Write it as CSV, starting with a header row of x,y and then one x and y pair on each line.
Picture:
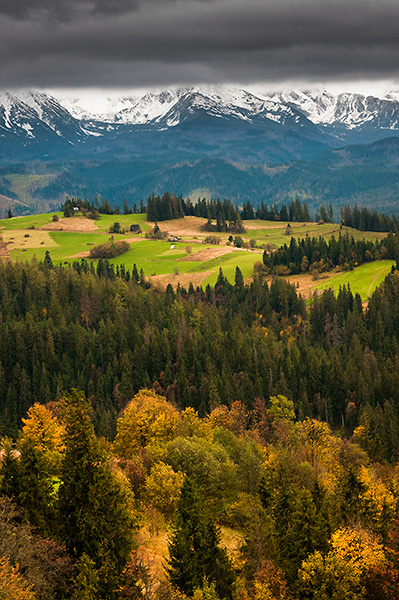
x,y
236,406
110,336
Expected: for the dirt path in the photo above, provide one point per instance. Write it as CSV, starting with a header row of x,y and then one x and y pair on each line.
x,y
371,286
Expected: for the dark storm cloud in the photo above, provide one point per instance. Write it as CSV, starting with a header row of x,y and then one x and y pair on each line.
x,y
61,10
157,42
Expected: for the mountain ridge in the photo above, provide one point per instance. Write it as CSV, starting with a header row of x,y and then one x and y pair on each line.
x,y
345,117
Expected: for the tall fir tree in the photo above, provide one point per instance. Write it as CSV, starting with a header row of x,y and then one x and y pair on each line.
x,y
93,505
195,555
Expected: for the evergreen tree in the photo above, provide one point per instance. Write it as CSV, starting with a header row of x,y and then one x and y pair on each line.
x,y
35,490
47,259
10,478
195,556
308,532
239,279
93,505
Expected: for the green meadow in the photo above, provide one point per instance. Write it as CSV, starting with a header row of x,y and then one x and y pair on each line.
x,y
362,280
75,236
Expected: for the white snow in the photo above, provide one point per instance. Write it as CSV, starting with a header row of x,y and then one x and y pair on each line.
x,y
28,128
103,111
156,106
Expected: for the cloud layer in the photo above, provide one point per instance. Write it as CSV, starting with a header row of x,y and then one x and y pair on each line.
x,y
130,43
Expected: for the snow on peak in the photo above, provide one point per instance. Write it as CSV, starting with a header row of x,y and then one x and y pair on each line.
x,y
155,106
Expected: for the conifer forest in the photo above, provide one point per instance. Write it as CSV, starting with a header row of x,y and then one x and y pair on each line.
x,y
232,442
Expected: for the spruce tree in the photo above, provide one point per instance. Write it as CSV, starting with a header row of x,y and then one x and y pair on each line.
x,y
195,555
93,505
239,279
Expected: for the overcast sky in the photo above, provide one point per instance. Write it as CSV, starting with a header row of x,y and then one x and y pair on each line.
x,y
163,43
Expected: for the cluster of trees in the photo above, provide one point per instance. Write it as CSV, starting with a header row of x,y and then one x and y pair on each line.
x,y
99,207
65,511
317,254
109,249
163,209
296,211
172,207
224,210
235,225
368,220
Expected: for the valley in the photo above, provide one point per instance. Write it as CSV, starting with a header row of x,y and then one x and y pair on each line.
x,y
213,141
187,260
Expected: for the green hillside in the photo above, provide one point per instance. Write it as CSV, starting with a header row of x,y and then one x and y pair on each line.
x,y
189,259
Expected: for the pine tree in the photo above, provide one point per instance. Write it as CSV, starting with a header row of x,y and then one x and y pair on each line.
x,y
195,556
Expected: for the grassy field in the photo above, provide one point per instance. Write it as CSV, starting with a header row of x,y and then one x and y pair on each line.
x,y
187,260
362,280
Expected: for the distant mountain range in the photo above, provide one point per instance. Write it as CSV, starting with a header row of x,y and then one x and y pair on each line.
x,y
223,141
33,115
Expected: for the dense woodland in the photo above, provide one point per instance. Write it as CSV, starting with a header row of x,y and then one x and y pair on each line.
x,y
234,406
320,255
368,220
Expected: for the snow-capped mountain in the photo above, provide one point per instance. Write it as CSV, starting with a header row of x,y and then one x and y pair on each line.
x,y
41,120
317,105
346,116
346,112
221,103
37,116
172,107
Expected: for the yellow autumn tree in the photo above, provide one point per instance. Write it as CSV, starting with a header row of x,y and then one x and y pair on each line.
x,y
192,425
321,449
342,573
43,430
147,418
281,408
376,495
328,578
358,548
162,488
43,433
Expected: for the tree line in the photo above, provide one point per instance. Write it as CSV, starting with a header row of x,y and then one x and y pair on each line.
x,y
169,206
368,220
99,207
318,254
